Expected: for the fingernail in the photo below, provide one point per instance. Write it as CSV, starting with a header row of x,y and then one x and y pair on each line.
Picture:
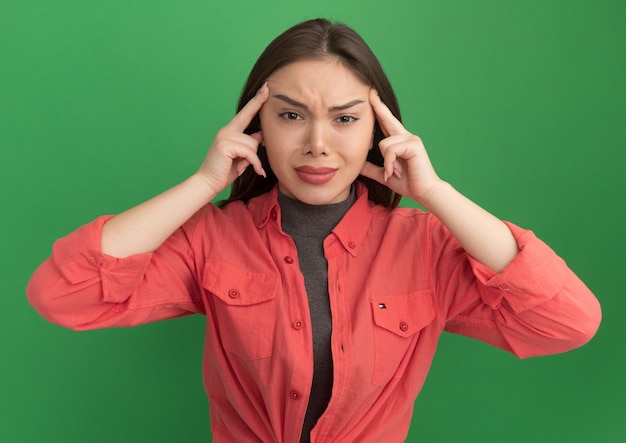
x,y
396,172
241,172
385,176
262,88
263,173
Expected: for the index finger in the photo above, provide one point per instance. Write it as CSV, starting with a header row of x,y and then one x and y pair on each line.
x,y
388,122
243,118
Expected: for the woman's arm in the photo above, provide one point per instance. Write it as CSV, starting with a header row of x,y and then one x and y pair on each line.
x,y
80,288
96,275
482,235
513,291
535,306
408,171
145,227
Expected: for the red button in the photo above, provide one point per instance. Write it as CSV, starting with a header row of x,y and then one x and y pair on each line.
x,y
274,215
289,260
297,324
233,293
352,245
404,326
294,395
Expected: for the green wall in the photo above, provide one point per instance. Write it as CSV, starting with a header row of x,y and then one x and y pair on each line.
x,y
104,104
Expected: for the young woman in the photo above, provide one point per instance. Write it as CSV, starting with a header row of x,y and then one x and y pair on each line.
x,y
324,300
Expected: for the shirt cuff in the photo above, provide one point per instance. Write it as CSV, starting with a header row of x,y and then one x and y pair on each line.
x,y
532,278
79,258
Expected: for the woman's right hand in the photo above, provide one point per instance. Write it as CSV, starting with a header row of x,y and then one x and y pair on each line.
x,y
232,151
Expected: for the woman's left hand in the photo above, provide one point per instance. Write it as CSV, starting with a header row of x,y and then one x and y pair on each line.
x,y
407,169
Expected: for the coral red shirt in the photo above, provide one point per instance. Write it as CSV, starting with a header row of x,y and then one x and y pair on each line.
x,y
396,279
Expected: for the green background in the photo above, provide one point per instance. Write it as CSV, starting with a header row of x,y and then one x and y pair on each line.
x,y
104,104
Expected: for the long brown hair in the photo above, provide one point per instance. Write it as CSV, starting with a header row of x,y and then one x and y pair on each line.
x,y
312,40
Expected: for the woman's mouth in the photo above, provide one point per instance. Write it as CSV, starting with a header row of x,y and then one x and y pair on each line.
x,y
315,176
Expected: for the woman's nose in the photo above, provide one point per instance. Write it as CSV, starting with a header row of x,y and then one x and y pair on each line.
x,y
317,140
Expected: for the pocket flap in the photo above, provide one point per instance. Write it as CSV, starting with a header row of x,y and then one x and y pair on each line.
x,y
404,314
237,287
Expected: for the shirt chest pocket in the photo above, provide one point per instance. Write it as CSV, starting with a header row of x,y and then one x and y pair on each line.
x,y
398,320
244,308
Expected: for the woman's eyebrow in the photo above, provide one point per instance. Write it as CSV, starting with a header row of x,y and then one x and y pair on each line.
x,y
346,106
297,104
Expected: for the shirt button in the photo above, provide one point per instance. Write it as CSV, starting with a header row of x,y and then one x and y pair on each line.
x,y
297,324
404,326
352,245
233,293
274,215
294,395
289,260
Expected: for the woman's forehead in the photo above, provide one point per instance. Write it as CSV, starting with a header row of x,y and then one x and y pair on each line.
x,y
318,82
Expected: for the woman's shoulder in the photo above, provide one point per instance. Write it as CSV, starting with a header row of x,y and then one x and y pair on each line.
x,y
406,222
235,216
400,213
212,213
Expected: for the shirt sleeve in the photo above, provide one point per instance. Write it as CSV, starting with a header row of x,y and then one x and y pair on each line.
x,y
81,288
535,306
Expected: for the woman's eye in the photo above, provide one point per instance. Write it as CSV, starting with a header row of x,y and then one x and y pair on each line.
x,y
291,115
346,119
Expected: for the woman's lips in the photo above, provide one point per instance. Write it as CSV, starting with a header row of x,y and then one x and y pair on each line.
x,y
315,176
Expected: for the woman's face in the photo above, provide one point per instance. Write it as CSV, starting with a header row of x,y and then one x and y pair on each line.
x,y
318,127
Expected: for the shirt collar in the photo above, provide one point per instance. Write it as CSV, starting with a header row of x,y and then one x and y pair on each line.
x,y
264,207
353,227
350,231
